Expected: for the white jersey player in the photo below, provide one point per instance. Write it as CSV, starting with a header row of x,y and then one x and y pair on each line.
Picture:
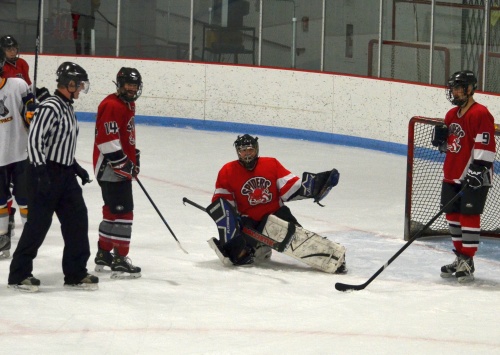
x,y
15,97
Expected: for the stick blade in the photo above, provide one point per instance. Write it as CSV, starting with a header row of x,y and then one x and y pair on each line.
x,y
339,286
180,246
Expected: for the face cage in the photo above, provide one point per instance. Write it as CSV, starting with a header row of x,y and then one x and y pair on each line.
x,y
451,98
248,161
123,93
13,60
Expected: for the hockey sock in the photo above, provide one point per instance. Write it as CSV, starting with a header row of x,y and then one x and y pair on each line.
x,y
471,229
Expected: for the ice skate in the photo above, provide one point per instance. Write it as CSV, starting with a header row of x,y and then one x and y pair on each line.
x,y
29,284
122,268
465,269
4,246
103,259
450,269
88,283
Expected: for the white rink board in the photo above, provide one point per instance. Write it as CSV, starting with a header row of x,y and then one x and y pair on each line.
x,y
321,102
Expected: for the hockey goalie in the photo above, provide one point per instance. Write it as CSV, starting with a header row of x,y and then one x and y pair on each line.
x,y
252,219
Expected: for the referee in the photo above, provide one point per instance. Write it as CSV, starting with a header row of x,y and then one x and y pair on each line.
x,y
52,187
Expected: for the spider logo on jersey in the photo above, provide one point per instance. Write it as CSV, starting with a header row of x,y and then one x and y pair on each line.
x,y
455,130
257,190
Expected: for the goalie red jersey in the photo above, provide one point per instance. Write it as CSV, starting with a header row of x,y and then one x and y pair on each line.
x,y
470,138
115,135
259,192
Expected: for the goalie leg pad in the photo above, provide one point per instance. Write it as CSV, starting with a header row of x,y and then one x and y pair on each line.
x,y
308,247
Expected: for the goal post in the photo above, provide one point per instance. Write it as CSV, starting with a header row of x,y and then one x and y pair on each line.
x,y
423,184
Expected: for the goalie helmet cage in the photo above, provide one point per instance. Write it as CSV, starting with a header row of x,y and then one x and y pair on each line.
x,y
424,179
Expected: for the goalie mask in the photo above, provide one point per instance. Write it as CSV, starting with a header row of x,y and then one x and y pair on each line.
x,y
247,149
461,79
129,84
71,72
7,43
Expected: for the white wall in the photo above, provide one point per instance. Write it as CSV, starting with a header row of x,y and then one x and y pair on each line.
x,y
336,104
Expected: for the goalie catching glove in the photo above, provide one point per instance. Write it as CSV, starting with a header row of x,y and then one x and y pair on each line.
x,y
318,186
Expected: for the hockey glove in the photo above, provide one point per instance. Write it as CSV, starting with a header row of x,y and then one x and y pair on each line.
x,y
477,176
440,138
29,108
81,173
125,169
42,179
42,94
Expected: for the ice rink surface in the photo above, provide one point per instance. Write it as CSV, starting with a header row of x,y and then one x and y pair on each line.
x,y
192,304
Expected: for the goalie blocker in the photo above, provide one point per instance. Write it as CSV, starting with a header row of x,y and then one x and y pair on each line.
x,y
282,236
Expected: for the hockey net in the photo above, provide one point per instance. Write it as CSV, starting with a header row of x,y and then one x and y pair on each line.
x,y
423,184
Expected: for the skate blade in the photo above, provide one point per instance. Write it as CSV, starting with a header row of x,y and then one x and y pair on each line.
x,y
465,279
4,254
101,268
122,275
446,275
24,288
82,287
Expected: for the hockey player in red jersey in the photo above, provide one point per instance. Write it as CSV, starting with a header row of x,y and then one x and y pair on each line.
x,y
258,187
468,138
116,163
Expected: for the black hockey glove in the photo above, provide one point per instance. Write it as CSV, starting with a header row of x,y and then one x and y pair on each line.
x,y
43,179
42,94
81,173
477,176
440,138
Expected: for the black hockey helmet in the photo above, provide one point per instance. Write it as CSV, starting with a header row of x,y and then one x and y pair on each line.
x,y
9,41
128,76
461,79
243,143
69,71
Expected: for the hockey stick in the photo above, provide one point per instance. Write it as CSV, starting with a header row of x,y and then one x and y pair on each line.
x,y
161,216
37,46
345,287
248,231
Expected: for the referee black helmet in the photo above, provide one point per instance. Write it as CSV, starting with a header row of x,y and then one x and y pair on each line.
x,y
69,71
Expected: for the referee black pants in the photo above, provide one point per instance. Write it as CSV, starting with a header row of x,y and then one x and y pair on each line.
x,y
66,200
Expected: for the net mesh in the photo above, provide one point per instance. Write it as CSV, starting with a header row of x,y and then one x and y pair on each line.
x,y
423,186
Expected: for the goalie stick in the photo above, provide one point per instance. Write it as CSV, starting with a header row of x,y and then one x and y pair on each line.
x,y
339,286
279,246
161,216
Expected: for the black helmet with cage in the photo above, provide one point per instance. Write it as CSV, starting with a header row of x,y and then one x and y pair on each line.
x,y
243,144
68,72
7,42
461,79
128,76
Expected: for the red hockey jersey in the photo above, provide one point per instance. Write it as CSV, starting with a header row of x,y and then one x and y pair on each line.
x,y
259,192
114,132
18,70
470,137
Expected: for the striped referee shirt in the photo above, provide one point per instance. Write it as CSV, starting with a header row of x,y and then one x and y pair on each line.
x,y
53,132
